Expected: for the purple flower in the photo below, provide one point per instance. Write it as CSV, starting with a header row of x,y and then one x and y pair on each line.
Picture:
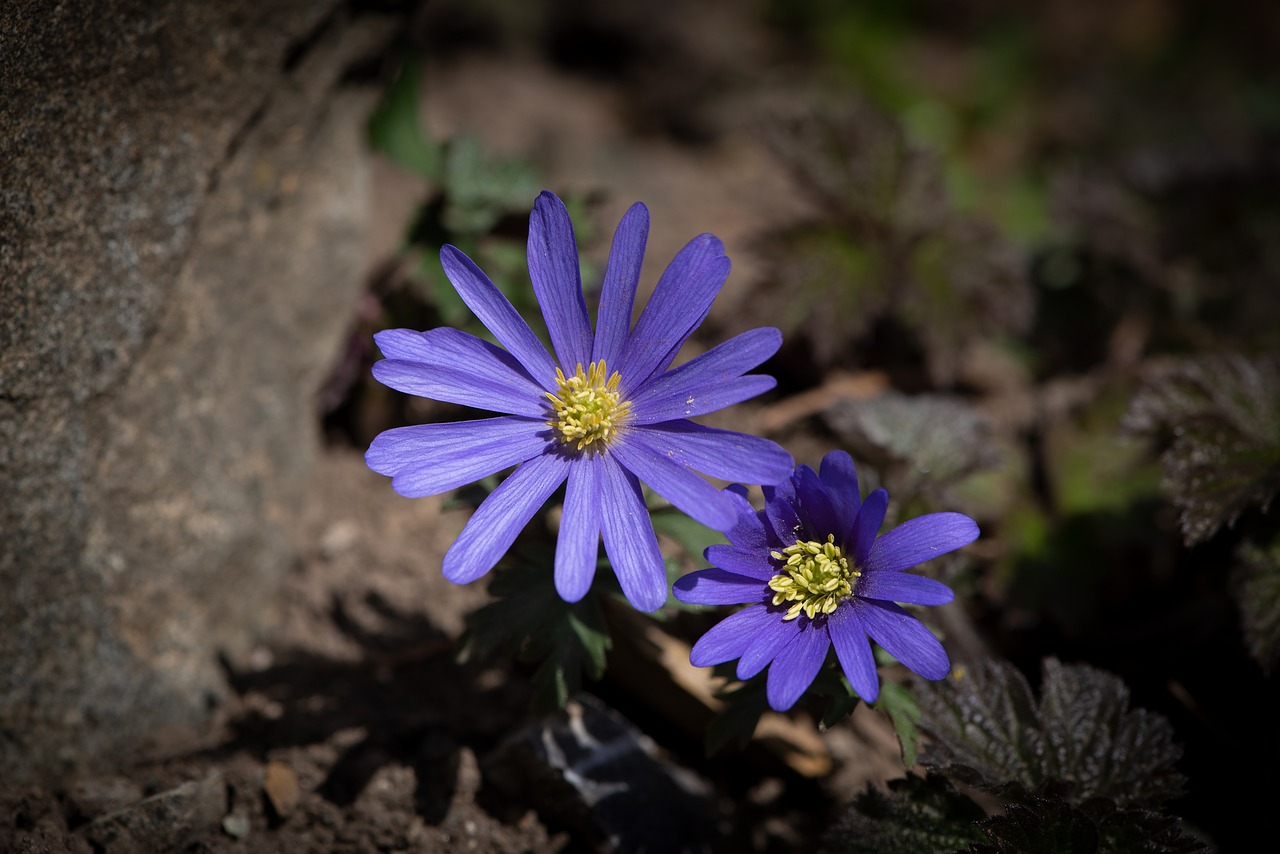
x,y
604,413
819,576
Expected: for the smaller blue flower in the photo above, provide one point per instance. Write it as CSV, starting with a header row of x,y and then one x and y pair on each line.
x,y
818,575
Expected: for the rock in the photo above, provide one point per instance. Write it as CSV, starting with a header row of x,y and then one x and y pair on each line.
x,y
183,207
163,822
587,769
280,784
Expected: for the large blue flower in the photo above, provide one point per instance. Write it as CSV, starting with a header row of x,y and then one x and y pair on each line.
x,y
603,414
818,576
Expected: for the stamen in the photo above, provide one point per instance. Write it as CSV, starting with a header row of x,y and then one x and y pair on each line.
x,y
815,577
587,406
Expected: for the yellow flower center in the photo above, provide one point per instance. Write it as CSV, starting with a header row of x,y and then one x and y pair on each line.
x,y
816,578
588,407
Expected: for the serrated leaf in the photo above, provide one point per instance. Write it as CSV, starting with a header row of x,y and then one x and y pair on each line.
x,y
1055,826
1223,413
529,621
900,705
920,814
394,127
1081,740
1257,591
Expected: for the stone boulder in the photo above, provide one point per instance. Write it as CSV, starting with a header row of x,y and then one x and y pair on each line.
x,y
184,200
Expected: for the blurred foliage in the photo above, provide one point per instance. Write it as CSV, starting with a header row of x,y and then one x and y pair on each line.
x,y
887,261
1257,589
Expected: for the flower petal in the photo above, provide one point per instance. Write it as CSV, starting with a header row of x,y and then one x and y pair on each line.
x,y
717,587
816,510
840,477
456,367
500,517
578,545
904,637
727,639
795,667
629,540
406,344
913,542
748,532
722,454
621,278
557,281
709,382
427,459
677,483
867,525
680,303
849,637
769,640
903,587
749,562
499,316
780,510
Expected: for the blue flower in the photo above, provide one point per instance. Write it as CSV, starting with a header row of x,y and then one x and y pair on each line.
x,y
818,576
603,414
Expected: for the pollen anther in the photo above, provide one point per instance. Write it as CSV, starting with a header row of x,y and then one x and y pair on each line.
x,y
588,407
815,577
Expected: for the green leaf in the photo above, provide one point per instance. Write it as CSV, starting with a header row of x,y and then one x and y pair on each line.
x,y
920,444
394,128
1081,740
1257,590
904,713
529,620
1223,413
919,814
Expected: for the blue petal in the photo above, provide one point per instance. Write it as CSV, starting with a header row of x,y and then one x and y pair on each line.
x,y
618,293
903,587
849,637
816,510
495,311
728,638
500,517
629,540
456,367
557,281
722,454
717,587
427,459
780,510
840,477
679,304
708,382
749,562
578,545
677,483
912,543
904,637
748,532
768,642
406,344
867,525
794,668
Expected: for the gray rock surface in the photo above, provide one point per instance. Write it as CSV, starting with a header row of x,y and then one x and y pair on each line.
x,y
183,208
